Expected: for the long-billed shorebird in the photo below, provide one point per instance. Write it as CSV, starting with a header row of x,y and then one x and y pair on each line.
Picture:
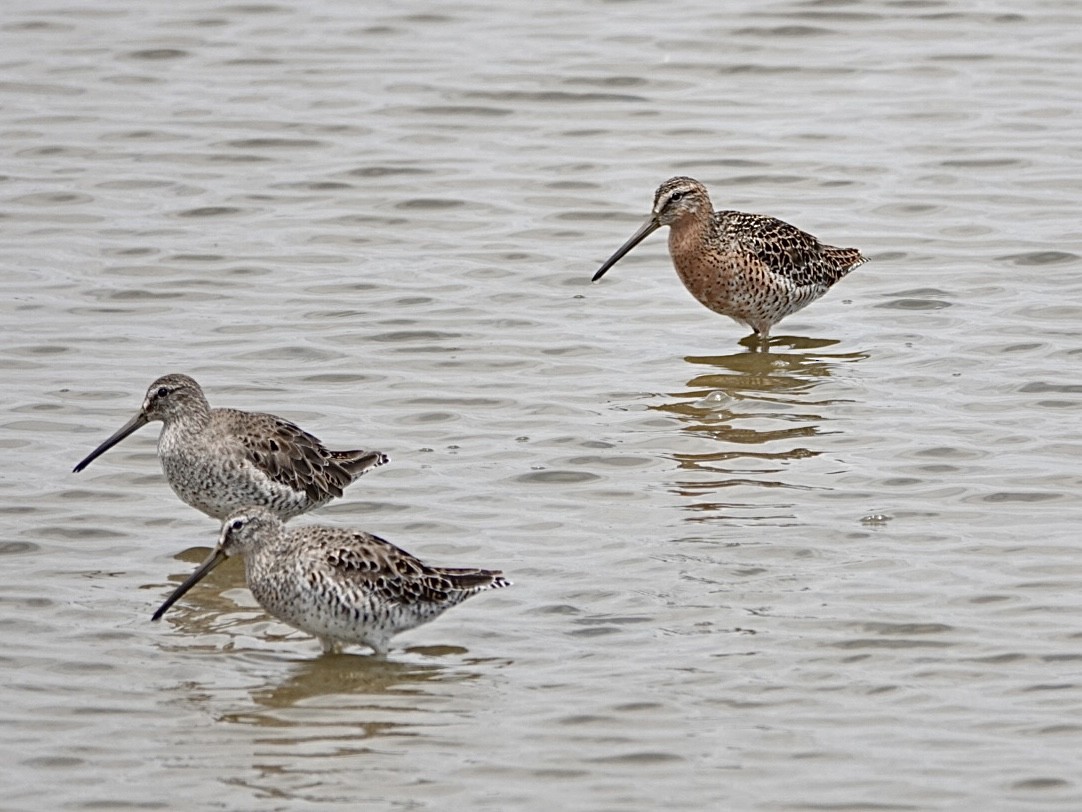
x,y
342,586
750,267
220,460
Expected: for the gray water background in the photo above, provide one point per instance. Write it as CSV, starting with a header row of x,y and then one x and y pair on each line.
x,y
841,575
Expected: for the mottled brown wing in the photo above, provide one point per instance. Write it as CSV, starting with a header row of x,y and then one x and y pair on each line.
x,y
787,250
396,576
291,456
359,461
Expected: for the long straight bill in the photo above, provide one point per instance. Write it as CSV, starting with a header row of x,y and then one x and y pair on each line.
x,y
213,560
645,230
130,427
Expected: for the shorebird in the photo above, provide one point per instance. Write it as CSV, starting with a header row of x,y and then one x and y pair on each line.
x,y
220,460
343,586
750,267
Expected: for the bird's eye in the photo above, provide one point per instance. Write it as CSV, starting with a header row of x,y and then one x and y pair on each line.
x,y
676,197
162,392
236,524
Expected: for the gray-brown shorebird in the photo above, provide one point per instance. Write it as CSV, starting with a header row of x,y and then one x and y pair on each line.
x,y
342,586
750,267
220,460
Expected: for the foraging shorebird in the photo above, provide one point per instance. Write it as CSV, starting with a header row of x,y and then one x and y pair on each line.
x,y
750,267
220,460
342,586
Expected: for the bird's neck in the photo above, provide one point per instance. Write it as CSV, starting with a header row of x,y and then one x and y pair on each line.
x,y
185,423
686,235
689,247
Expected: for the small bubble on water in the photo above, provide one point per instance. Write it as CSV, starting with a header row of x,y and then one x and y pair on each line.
x,y
713,400
875,518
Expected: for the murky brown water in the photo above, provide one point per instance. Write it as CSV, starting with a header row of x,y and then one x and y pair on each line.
x,y
844,575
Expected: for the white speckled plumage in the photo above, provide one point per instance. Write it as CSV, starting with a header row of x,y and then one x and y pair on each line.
x,y
340,585
220,460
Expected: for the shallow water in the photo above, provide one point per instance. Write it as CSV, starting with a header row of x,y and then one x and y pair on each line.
x,y
841,575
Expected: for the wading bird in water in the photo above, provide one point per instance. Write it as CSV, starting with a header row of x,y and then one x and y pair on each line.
x,y
750,267
340,585
220,460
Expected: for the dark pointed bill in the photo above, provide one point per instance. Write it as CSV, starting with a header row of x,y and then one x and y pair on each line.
x,y
130,427
213,560
645,230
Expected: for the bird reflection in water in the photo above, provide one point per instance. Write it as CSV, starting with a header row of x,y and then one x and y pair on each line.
x,y
763,412
348,701
356,676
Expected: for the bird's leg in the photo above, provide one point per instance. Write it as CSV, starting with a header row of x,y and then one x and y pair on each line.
x,y
757,342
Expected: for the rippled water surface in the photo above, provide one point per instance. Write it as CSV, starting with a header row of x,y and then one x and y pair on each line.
x,y
844,574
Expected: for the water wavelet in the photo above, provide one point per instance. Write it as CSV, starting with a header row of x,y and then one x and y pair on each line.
x,y
340,706
322,678
751,418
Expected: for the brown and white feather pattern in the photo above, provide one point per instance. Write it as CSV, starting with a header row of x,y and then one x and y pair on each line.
x,y
220,460
753,268
289,455
343,585
789,252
